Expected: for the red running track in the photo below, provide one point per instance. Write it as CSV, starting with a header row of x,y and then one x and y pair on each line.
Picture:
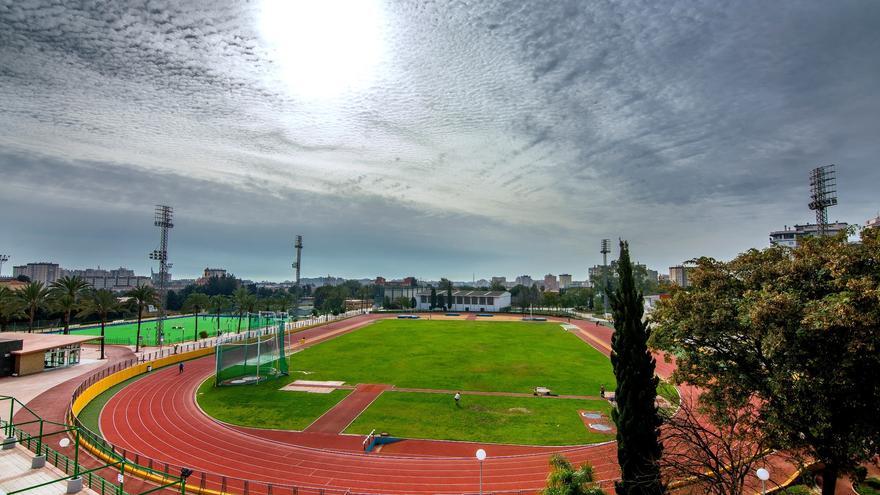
x,y
157,417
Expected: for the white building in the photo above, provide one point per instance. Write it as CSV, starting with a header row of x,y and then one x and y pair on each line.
x,y
789,236
483,301
679,275
873,223
524,280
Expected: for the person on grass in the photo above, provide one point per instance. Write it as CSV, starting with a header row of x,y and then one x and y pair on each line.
x,y
457,398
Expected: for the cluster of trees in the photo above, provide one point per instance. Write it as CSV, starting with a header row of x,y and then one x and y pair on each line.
x,y
783,347
525,297
331,298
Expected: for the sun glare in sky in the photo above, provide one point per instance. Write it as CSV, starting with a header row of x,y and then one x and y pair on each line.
x,y
324,48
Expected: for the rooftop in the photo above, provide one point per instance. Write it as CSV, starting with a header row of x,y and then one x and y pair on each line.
x,y
42,342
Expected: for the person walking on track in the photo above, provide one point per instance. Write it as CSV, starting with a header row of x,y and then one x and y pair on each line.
x,y
180,368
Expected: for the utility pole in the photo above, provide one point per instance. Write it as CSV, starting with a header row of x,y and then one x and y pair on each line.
x,y
606,243
3,259
162,219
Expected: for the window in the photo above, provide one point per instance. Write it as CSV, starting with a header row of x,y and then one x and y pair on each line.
x,y
424,299
482,300
490,301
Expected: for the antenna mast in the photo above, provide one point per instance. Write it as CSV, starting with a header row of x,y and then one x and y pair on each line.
x,y
605,249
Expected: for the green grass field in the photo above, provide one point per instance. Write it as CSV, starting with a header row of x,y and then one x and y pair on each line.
x,y
465,355
264,406
520,420
439,355
125,333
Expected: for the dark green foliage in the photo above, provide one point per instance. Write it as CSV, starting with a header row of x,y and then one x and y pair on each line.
x,y
637,418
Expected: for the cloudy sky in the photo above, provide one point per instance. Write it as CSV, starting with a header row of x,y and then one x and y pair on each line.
x,y
428,138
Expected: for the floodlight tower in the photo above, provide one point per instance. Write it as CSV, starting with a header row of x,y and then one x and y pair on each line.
x,y
296,265
162,219
3,259
606,243
823,194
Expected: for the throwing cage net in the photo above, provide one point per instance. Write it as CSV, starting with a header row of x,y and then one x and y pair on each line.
x,y
249,360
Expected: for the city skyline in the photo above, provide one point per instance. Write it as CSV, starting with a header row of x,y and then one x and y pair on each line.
x,y
435,140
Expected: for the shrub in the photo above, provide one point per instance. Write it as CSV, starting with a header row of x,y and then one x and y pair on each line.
x,y
203,334
798,490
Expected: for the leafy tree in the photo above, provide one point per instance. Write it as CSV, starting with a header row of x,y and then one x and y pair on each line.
x,y
100,302
141,297
225,285
35,296
446,284
196,303
251,306
67,292
240,301
433,298
637,418
413,303
218,303
497,286
552,300
795,331
564,479
11,306
23,278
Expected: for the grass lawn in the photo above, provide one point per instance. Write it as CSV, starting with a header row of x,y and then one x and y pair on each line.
x,y
264,406
460,355
126,333
519,420
870,486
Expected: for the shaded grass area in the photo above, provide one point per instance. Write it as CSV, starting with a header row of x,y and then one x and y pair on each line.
x,y
465,355
90,415
668,392
871,486
264,406
518,420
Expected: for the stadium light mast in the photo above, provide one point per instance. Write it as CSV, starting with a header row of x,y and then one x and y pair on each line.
x,y
3,259
823,195
296,265
163,219
605,249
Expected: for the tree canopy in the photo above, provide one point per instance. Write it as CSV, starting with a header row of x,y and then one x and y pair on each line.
x,y
795,331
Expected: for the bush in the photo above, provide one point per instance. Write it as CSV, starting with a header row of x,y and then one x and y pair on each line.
x,y
860,473
798,490
203,334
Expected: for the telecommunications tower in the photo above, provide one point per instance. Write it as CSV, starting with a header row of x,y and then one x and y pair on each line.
x,y
606,243
3,259
823,194
163,219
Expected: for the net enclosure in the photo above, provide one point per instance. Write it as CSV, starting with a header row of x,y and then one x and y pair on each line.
x,y
249,359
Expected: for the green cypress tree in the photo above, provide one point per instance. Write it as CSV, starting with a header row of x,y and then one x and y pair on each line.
x,y
637,419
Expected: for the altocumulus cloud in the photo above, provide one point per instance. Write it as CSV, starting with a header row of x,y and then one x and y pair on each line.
x,y
535,129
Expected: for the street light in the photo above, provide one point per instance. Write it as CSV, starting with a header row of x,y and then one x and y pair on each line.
x,y
763,475
481,456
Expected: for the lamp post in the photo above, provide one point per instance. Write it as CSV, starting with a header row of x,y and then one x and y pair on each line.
x,y
763,475
481,456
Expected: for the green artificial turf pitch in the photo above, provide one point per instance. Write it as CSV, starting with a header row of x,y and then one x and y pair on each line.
x,y
480,418
438,355
126,333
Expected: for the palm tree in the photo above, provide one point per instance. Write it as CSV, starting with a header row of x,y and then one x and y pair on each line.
x,y
141,297
67,292
11,306
100,302
34,295
217,305
251,306
197,302
240,300
564,479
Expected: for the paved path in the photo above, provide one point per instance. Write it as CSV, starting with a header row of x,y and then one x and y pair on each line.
x,y
337,419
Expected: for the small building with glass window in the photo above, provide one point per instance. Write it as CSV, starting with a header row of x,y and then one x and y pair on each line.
x,y
28,353
483,301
